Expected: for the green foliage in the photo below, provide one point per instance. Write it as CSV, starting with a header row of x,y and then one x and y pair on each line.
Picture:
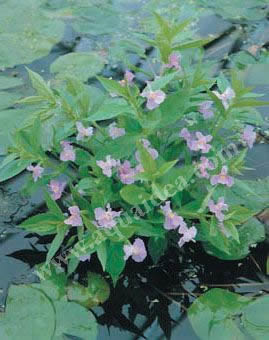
x,y
225,315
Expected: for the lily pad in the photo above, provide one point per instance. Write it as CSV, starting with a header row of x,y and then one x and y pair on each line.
x,y
80,65
29,315
26,32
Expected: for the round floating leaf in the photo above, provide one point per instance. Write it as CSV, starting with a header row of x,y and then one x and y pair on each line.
x,y
26,32
29,315
74,320
80,65
8,82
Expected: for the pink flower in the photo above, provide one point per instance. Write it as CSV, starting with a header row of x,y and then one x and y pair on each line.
x,y
185,133
68,153
37,171
56,188
249,136
154,98
200,143
206,110
137,250
107,165
172,220
128,79
105,218
217,208
222,178
126,173
115,132
75,219
188,235
204,165
153,152
174,61
83,132
226,97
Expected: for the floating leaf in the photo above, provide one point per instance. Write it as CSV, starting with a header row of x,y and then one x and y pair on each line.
x,y
8,82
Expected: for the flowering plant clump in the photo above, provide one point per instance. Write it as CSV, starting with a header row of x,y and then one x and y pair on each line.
x,y
128,172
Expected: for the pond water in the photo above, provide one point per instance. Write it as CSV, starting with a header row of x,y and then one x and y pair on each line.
x,y
149,301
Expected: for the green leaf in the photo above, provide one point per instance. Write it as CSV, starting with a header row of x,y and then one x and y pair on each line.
x,y
247,102
12,169
192,44
40,86
115,260
113,86
81,65
33,312
165,168
215,315
102,254
157,247
8,99
146,229
161,82
133,194
57,242
8,82
52,205
74,320
111,108
45,223
119,148
148,163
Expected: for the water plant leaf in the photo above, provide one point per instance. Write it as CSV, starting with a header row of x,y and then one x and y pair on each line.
x,y
81,65
157,247
12,168
133,194
32,312
115,263
9,82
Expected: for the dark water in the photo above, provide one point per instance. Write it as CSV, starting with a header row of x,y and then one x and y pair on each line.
x,y
150,300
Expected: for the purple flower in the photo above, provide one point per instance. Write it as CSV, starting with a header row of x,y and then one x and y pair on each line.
x,y
85,258
188,235
172,220
68,153
185,134
83,132
75,219
37,171
249,136
107,165
126,173
137,250
217,208
56,188
200,143
153,152
174,61
226,97
105,218
222,178
206,110
128,79
204,165
154,98
115,132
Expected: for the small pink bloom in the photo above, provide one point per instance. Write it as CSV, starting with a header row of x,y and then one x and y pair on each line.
x,y
56,188
137,250
174,61
153,152
126,173
115,132
128,79
75,219
217,208
249,136
107,165
226,97
37,171
200,143
188,235
204,165
83,132
68,153
154,98
172,220
206,109
222,178
185,133
105,218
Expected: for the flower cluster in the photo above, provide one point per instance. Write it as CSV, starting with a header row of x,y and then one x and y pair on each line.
x,y
197,142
